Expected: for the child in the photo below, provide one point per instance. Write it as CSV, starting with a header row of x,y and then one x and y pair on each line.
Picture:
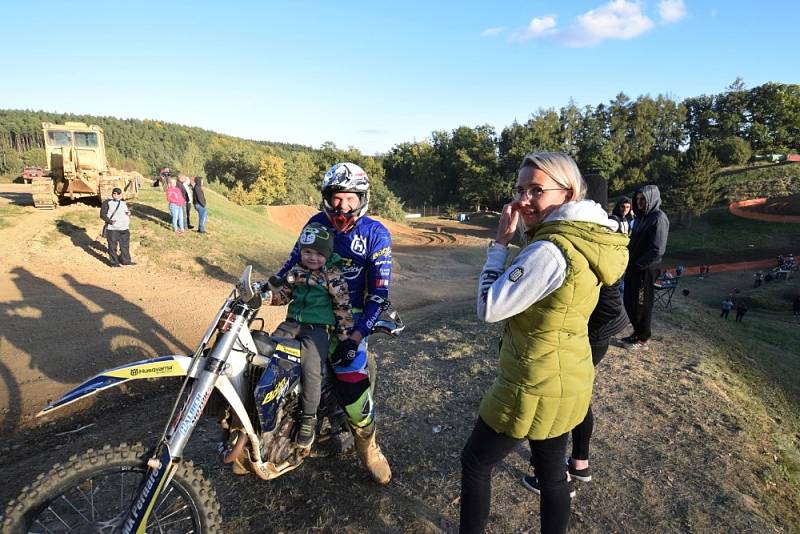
x,y
316,292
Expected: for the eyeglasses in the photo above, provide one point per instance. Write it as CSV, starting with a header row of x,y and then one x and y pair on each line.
x,y
533,192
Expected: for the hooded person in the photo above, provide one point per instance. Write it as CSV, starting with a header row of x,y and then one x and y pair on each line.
x,y
646,249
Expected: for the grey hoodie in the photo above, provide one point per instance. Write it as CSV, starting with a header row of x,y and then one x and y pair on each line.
x,y
650,232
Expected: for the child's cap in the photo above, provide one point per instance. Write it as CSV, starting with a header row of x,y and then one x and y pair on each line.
x,y
316,237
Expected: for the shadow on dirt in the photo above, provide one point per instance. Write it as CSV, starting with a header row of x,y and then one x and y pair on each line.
x,y
18,199
77,326
153,215
81,239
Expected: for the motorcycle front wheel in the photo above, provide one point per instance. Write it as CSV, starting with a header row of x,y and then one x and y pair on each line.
x,y
92,492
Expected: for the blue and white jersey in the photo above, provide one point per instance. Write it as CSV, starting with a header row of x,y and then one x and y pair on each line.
x,y
366,252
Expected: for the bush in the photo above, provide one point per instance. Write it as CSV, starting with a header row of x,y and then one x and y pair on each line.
x,y
733,151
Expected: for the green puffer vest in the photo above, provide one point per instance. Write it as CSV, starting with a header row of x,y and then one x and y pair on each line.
x,y
545,374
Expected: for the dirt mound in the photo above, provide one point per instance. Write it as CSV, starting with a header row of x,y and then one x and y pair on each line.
x,y
294,216
291,217
778,209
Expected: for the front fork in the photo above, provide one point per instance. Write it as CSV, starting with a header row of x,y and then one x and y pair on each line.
x,y
163,464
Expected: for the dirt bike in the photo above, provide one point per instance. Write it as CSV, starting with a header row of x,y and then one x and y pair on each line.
x,y
256,379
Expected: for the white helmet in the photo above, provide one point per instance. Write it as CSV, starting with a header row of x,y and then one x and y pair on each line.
x,y
345,178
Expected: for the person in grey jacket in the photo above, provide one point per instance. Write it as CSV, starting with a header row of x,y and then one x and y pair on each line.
x,y
117,217
647,247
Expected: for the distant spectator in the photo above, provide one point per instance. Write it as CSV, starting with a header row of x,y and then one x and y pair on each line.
x,y
679,271
727,306
117,217
758,278
741,309
176,202
186,191
796,306
622,211
199,202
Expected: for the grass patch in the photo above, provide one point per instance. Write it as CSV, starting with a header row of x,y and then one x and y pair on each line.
x,y
237,236
720,234
9,214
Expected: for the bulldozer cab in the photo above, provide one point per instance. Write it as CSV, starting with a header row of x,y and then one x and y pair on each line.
x,y
77,166
73,149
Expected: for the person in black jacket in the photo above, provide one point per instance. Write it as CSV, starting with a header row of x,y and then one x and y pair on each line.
x,y
607,320
647,247
186,190
623,212
199,202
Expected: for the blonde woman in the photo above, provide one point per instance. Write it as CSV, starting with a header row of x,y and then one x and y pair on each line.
x,y
545,296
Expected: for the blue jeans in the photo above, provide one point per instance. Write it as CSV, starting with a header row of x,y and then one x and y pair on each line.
x,y
177,217
202,213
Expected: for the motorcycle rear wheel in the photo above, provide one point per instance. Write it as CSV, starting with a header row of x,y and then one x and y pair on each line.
x,y
92,492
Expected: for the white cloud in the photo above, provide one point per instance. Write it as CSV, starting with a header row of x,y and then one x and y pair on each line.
x,y
537,28
671,10
492,32
619,19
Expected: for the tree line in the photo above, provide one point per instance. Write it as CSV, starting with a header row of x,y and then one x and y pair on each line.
x,y
250,172
678,145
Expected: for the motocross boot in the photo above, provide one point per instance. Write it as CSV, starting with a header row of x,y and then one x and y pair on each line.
x,y
371,455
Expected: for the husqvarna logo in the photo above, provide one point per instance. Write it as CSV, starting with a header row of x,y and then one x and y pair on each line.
x,y
359,245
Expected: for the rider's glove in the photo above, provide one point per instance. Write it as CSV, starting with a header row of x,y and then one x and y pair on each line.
x,y
345,352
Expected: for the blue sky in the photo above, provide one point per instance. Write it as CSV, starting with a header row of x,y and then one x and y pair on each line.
x,y
373,74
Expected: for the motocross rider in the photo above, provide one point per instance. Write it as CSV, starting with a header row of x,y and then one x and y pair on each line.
x,y
365,247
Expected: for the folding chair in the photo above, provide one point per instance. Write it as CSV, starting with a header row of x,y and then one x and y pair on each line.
x,y
664,289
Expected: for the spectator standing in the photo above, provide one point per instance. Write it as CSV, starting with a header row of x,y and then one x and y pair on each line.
x,y
796,306
176,202
607,320
545,296
727,306
186,191
741,309
623,212
199,202
647,246
117,217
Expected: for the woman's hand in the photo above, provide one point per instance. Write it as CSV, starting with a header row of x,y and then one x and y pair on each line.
x,y
508,223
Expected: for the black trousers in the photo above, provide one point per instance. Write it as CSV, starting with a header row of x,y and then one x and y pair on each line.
x,y
486,448
119,242
582,434
187,211
638,300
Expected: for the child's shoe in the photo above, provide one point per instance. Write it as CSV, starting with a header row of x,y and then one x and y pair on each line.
x,y
308,429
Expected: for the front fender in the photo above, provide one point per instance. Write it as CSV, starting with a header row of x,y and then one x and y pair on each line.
x,y
160,367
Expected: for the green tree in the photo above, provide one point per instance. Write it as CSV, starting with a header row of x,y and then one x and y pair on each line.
x,y
733,151
270,184
695,188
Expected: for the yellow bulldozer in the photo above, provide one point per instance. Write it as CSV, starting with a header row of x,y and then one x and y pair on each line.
x,y
76,167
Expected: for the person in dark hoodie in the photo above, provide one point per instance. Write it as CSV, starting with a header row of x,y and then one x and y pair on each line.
x,y
606,321
196,183
647,246
623,212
